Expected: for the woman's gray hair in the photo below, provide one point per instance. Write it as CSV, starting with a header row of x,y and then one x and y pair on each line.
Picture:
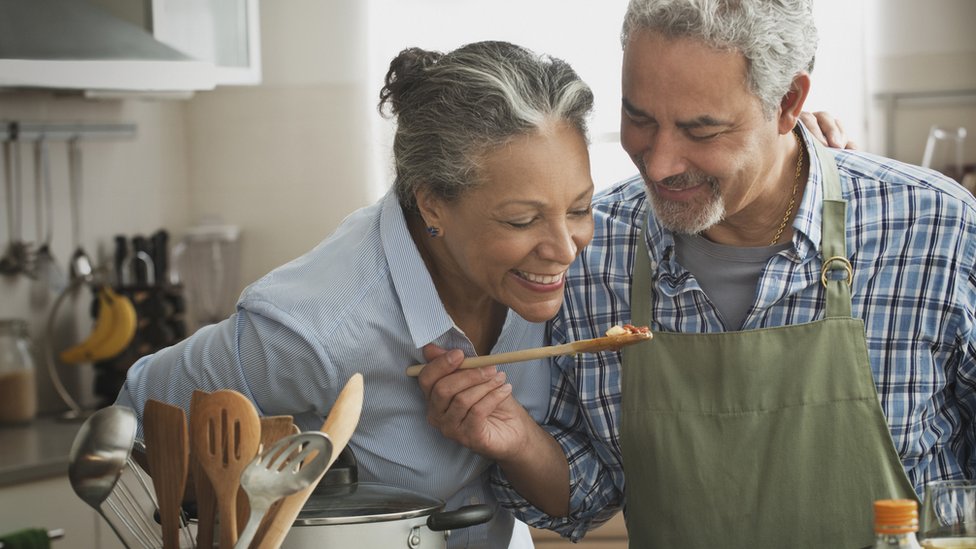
x,y
777,37
453,108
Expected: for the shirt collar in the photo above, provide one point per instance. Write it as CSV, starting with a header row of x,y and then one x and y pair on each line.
x,y
422,308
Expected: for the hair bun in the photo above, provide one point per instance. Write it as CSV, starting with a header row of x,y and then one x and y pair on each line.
x,y
406,69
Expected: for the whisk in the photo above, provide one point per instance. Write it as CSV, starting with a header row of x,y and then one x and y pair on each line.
x,y
134,506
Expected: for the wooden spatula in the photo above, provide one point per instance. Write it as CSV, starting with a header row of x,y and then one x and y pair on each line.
x,y
168,454
206,499
339,425
273,429
225,434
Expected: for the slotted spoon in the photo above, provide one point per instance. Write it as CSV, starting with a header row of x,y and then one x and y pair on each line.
x,y
273,429
281,471
225,433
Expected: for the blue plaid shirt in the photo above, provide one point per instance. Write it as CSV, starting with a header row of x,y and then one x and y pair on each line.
x,y
911,238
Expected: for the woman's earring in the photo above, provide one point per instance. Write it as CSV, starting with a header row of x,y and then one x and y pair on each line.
x,y
433,231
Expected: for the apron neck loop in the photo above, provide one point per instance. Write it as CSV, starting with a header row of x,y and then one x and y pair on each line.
x,y
836,273
640,293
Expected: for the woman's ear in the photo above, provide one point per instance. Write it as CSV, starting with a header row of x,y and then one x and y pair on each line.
x,y
791,105
431,208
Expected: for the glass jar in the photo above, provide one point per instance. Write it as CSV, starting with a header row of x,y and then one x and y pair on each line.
x,y
18,391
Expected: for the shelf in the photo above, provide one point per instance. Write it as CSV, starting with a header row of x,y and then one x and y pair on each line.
x,y
893,100
28,131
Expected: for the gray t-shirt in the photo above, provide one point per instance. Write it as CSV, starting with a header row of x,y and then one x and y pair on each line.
x,y
727,274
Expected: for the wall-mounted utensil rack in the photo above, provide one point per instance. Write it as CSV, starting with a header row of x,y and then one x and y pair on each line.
x,y
17,258
32,131
12,135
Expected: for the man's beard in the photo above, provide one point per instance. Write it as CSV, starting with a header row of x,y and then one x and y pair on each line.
x,y
688,217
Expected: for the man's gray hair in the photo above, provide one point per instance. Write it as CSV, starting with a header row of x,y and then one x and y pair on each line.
x,y
777,37
453,108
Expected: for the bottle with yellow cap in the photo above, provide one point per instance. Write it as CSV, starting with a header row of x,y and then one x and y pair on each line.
x,y
895,524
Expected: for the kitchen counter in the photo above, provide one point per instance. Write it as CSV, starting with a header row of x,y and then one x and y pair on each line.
x,y
36,450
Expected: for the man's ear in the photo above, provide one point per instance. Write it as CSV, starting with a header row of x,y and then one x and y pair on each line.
x,y
791,105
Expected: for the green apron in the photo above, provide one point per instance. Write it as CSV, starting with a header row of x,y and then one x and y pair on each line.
x,y
762,439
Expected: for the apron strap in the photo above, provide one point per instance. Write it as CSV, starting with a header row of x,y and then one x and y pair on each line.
x,y
640,292
836,273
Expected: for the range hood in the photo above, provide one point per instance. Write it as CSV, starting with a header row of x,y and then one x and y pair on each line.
x,y
74,45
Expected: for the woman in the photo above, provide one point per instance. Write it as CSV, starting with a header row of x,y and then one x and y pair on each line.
x,y
490,205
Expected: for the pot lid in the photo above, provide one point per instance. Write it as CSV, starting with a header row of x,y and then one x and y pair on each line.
x,y
364,502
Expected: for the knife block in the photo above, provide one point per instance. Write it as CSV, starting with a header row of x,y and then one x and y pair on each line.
x,y
160,322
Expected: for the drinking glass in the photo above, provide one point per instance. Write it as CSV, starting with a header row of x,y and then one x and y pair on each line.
x,y
945,151
949,514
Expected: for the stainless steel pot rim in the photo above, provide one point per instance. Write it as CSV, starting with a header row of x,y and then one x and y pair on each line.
x,y
361,519
365,502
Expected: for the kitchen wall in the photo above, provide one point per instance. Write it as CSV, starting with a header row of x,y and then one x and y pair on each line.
x,y
926,49
131,186
288,159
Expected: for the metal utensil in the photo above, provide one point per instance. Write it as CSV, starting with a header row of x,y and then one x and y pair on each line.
x,y
18,257
339,425
49,278
291,464
225,433
98,455
80,264
273,429
133,503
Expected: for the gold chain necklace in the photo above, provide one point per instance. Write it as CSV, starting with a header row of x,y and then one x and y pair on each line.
x,y
796,183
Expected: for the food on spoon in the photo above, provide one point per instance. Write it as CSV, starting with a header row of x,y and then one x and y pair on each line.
x,y
628,329
616,337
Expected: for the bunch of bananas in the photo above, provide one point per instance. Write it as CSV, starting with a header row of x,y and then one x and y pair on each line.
x,y
114,329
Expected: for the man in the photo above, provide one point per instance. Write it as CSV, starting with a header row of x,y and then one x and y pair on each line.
x,y
813,313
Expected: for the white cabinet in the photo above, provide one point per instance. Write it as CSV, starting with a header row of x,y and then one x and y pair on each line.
x,y
224,32
51,503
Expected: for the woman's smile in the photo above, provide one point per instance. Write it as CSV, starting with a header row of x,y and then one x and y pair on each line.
x,y
540,282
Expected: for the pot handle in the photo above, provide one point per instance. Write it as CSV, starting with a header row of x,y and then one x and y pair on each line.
x,y
469,515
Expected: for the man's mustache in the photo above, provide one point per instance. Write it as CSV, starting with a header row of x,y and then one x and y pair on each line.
x,y
687,180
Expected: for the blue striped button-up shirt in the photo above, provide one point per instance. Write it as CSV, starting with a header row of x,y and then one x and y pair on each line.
x,y
361,301
911,237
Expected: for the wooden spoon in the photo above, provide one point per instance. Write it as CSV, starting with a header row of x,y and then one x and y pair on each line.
x,y
339,425
206,499
273,429
225,435
168,453
595,345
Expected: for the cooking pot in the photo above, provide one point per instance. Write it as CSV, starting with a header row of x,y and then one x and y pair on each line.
x,y
343,512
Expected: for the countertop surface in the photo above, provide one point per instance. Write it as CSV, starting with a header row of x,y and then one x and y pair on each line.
x,y
35,450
